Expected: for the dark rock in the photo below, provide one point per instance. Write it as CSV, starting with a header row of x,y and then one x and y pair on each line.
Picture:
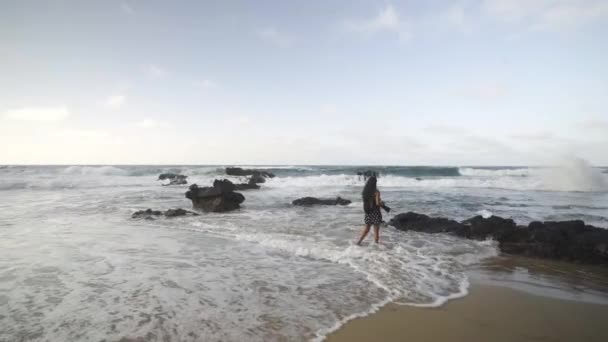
x,y
256,179
179,212
563,240
367,174
219,198
423,223
146,214
251,184
237,171
318,201
246,186
567,240
177,181
174,178
164,176
494,226
150,214
224,185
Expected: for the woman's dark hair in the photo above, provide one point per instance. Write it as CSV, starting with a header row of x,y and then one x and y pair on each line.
x,y
368,193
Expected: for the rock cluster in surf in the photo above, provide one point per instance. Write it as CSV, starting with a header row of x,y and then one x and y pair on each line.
x,y
562,240
220,197
174,178
237,171
367,174
150,214
318,201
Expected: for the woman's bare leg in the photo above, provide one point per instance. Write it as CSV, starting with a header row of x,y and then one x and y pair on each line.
x,y
376,232
364,233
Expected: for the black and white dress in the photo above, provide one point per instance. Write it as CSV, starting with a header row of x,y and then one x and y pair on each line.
x,y
373,216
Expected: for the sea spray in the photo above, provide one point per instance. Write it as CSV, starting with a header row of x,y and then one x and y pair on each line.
x,y
574,174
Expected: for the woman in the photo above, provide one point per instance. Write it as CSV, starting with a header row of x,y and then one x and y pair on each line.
x,y
371,206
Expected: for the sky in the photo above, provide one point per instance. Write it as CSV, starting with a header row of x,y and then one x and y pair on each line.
x,y
486,82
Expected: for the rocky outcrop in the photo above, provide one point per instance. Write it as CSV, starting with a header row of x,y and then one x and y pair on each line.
x,y
237,171
257,179
174,178
219,198
147,214
318,201
150,214
179,212
367,174
561,240
423,223
247,186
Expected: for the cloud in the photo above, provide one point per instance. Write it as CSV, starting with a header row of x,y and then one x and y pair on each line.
x,y
594,125
490,90
205,84
272,36
570,16
152,123
386,20
37,114
155,71
79,133
445,129
115,101
239,121
534,135
457,17
547,15
329,109
126,8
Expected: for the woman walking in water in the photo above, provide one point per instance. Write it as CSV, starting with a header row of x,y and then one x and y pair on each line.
x,y
371,206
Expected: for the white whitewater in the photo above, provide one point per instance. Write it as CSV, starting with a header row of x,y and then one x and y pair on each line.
x,y
75,266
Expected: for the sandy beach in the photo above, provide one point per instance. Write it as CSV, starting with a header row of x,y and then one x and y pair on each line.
x,y
488,313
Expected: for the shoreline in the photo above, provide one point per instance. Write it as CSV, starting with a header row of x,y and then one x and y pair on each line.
x,y
487,313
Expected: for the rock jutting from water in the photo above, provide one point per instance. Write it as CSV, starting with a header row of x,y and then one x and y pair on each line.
x,y
218,198
174,178
561,240
150,214
237,171
319,201
251,184
367,174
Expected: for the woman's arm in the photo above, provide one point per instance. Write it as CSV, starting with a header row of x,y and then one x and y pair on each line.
x,y
378,200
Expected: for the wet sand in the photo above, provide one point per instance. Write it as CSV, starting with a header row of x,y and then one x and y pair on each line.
x,y
488,313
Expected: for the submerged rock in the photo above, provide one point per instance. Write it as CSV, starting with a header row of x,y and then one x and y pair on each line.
x,y
256,179
179,212
561,240
251,184
150,214
246,186
174,178
367,174
219,198
237,171
318,201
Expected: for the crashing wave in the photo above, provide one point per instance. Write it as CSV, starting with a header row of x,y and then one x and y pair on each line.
x,y
486,172
95,170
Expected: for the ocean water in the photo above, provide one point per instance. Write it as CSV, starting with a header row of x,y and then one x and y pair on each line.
x,y
74,266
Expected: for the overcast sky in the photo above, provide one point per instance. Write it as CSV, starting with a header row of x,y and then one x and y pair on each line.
x,y
496,82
